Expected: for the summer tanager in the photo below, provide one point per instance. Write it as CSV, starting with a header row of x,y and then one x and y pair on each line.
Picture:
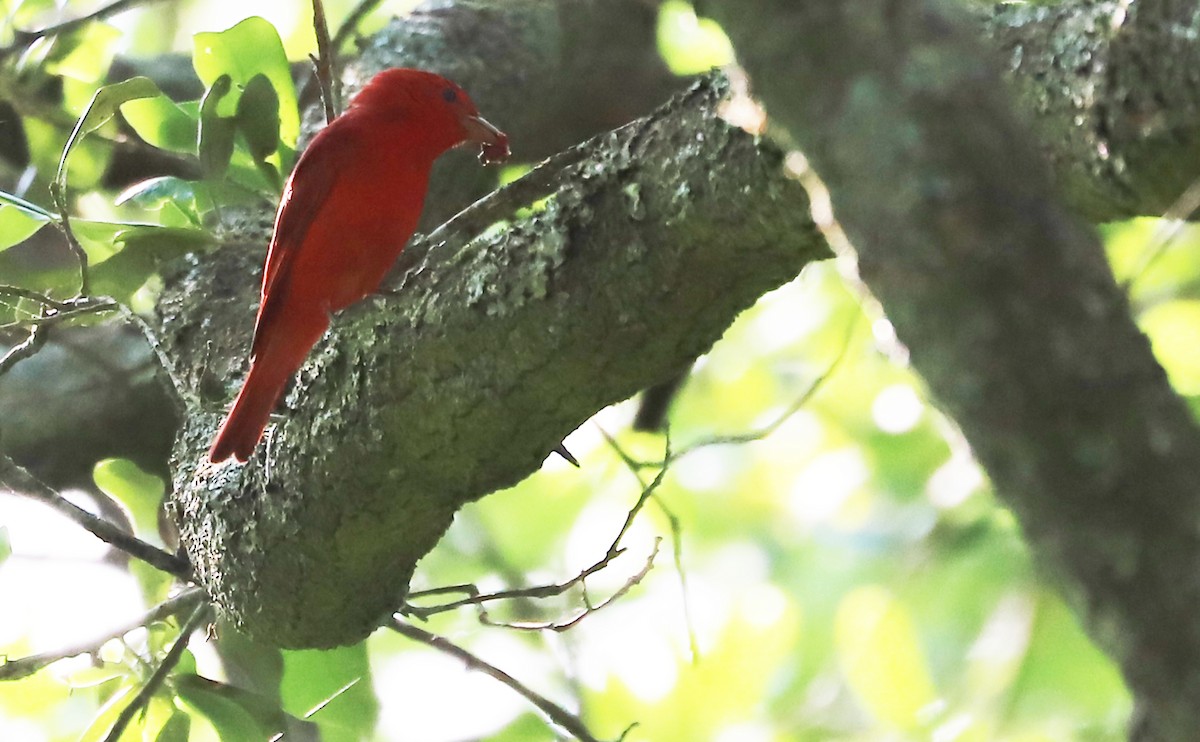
x,y
347,211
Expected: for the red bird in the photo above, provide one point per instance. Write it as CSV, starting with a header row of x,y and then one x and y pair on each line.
x,y
347,211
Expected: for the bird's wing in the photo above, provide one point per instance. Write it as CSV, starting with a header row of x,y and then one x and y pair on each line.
x,y
306,193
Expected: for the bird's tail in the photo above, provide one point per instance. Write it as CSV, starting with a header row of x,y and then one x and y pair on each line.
x,y
251,411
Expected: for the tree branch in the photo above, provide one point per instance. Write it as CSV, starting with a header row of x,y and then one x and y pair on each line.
x,y
21,482
555,317
1008,307
560,716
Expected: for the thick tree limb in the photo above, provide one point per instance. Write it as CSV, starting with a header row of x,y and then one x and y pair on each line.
x,y
1109,86
463,383
1010,311
1094,94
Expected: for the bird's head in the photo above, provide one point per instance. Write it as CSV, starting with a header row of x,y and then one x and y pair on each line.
x,y
442,110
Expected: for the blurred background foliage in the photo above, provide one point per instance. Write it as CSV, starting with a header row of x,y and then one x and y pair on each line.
x,y
849,576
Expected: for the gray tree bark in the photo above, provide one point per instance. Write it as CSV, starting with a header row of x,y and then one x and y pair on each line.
x,y
419,403
1005,298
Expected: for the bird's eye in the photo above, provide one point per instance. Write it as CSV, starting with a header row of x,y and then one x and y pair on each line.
x,y
449,95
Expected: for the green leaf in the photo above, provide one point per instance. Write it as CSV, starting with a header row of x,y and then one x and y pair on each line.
x,y
141,255
258,117
882,658
250,48
84,54
102,107
1174,331
19,219
315,687
161,122
688,44
104,719
177,728
5,544
139,491
155,193
236,713
215,144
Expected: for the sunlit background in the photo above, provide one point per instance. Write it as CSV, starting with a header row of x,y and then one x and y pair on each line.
x,y
849,576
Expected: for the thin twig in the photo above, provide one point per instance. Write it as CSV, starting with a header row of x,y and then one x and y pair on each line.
x,y
160,674
543,180
478,599
352,21
635,469
167,374
26,37
560,716
325,64
570,623
1165,233
58,194
26,666
736,439
69,309
23,349
20,481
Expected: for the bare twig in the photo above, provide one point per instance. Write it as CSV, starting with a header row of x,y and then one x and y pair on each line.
x,y
23,349
167,375
557,714
325,63
478,599
635,469
753,436
26,666
352,21
25,37
54,312
160,674
58,194
1165,233
17,479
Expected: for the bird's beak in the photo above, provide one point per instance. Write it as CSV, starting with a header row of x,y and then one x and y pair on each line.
x,y
494,142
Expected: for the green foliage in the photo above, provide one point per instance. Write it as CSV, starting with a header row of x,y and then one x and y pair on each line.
x,y
19,219
331,688
233,713
243,52
848,577
99,110
690,45
139,492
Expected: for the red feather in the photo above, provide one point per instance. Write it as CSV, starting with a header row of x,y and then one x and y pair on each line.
x,y
347,211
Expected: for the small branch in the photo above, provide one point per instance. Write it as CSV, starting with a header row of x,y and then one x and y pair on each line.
x,y
635,469
475,598
324,63
17,479
480,600
560,716
52,313
350,25
160,674
167,374
737,439
24,349
26,666
24,37
55,312
58,194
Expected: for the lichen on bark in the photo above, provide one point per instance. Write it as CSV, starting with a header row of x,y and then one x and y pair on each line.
x,y
460,384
